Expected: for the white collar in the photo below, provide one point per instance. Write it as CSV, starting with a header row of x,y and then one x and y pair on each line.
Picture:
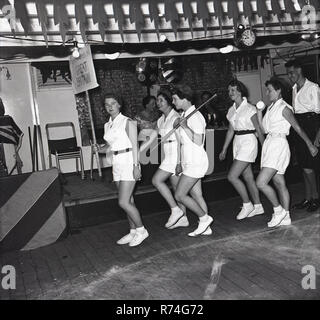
x,y
244,101
189,110
279,101
170,114
306,83
117,118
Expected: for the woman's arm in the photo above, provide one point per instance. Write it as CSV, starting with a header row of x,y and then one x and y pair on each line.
x,y
178,166
101,148
260,106
146,144
196,138
132,132
289,116
228,138
255,122
317,139
178,146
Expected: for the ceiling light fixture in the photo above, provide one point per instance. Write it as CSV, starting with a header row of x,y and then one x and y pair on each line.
x,y
163,37
112,56
227,49
75,50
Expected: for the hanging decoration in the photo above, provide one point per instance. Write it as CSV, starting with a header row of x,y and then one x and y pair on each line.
x,y
262,11
43,18
147,71
188,14
138,16
81,19
61,17
53,71
276,10
203,14
99,16
172,70
233,11
247,10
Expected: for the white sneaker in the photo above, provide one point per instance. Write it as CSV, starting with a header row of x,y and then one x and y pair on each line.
x,y
256,211
202,227
127,238
208,232
174,217
245,211
286,221
277,218
138,238
182,222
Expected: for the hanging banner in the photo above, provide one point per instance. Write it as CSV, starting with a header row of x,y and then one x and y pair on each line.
x,y
82,71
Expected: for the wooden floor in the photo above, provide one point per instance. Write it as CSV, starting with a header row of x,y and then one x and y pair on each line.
x,y
241,260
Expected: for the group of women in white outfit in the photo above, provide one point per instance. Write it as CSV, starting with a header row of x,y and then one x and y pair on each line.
x,y
247,123
185,160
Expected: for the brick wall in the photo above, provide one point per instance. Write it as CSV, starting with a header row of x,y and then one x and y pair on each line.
x,y
201,72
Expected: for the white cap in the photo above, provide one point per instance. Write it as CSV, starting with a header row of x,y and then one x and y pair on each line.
x,y
260,105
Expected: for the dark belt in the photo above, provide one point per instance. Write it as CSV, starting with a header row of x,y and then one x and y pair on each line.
x,y
307,115
169,141
121,151
242,132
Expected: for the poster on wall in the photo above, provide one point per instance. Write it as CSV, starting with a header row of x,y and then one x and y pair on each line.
x,y
82,71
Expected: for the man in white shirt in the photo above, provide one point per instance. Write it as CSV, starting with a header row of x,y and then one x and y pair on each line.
x,y
306,105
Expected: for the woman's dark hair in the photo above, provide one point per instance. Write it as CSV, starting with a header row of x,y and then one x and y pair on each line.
x,y
240,87
2,110
294,63
183,92
146,100
167,96
276,84
113,96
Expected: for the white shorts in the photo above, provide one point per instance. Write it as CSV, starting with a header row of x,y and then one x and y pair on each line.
x,y
122,167
275,153
197,169
170,160
245,147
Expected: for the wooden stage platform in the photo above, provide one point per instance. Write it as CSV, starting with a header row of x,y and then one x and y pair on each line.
x,y
90,202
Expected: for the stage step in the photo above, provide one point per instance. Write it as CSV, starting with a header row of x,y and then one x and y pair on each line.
x,y
104,209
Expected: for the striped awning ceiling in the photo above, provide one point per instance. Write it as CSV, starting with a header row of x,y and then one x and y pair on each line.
x,y
132,21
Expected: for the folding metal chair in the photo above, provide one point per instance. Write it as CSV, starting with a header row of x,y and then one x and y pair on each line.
x,y
66,148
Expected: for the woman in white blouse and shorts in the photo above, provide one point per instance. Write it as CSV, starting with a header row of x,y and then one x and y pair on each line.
x,y
275,156
169,167
194,159
120,133
243,127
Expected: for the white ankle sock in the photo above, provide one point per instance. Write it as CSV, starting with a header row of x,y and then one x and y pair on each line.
x,y
132,230
258,205
277,209
247,204
175,209
204,218
140,229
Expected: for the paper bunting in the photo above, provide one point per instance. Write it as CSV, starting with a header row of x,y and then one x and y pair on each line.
x,y
138,17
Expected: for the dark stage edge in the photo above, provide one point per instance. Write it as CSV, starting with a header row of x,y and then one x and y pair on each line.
x,y
104,208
